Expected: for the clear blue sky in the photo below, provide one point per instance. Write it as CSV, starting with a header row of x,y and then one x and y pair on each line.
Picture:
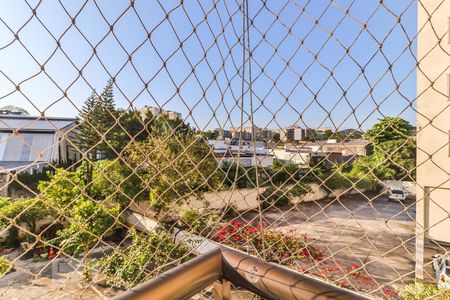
x,y
309,99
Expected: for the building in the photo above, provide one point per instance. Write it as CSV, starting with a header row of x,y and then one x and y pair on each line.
x,y
295,134
29,139
261,134
156,111
222,134
242,135
245,153
300,157
333,151
433,128
29,143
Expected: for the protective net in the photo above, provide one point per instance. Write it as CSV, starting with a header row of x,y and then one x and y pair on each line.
x,y
310,134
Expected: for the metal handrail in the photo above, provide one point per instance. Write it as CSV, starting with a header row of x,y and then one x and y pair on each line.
x,y
264,279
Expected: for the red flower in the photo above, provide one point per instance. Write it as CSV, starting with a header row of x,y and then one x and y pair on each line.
x,y
342,283
305,252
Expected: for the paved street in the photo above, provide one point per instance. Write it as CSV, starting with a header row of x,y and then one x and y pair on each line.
x,y
361,229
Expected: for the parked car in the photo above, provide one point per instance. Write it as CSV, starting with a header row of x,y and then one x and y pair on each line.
x,y
397,195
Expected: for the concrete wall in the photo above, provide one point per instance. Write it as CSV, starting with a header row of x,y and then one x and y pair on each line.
x,y
433,125
245,199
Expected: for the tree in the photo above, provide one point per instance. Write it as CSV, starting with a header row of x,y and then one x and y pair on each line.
x,y
208,135
165,126
64,187
116,182
175,167
324,136
88,223
389,129
285,172
276,137
26,210
131,127
97,122
394,152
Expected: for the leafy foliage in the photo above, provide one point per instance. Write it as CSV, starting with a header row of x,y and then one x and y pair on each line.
x,y
5,266
389,129
64,187
274,197
26,210
419,291
299,189
88,222
97,121
285,172
130,266
238,175
199,222
132,127
174,168
116,182
394,152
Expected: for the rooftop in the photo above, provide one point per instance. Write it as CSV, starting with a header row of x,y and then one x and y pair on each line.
x,y
33,123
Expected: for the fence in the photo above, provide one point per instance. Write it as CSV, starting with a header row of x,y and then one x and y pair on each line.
x,y
271,127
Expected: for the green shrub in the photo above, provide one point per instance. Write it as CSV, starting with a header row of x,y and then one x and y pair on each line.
x,y
336,181
419,291
115,181
26,210
128,267
299,189
5,266
199,222
12,239
364,183
274,197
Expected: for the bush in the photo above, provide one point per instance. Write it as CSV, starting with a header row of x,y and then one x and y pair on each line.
x,y
12,239
279,247
274,196
336,181
418,291
299,190
130,266
5,266
199,222
245,178
365,184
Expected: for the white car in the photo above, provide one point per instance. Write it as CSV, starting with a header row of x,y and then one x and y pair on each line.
x,y
396,194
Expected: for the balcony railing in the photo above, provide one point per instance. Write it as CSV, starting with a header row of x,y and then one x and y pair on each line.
x,y
267,280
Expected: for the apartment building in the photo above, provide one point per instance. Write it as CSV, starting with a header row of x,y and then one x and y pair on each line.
x,y
246,133
294,133
433,127
156,111
221,134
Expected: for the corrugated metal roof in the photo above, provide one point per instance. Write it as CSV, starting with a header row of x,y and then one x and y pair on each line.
x,y
33,123
13,166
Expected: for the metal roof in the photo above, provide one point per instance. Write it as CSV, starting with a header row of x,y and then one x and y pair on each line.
x,y
33,123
